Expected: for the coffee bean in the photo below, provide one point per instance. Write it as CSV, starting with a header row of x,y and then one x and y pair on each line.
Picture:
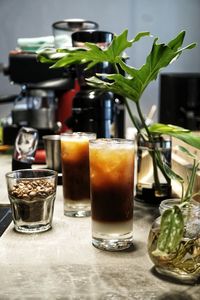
x,y
28,190
32,193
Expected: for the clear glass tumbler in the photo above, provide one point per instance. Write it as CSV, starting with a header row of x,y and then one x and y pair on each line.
x,y
32,193
112,182
75,171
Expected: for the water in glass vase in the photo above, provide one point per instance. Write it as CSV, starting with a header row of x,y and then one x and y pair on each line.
x,y
152,185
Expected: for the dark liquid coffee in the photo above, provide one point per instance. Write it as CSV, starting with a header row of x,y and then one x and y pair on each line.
x,y
112,168
76,181
112,203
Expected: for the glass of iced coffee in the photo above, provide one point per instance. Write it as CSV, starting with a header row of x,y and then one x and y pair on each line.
x,y
75,172
112,182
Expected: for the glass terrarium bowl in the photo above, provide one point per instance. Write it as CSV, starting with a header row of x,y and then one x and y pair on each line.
x,y
184,263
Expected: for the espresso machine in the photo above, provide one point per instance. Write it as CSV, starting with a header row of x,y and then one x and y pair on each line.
x,y
56,100
94,110
46,95
37,105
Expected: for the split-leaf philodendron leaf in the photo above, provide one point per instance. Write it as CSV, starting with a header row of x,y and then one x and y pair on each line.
x,y
133,85
93,54
180,133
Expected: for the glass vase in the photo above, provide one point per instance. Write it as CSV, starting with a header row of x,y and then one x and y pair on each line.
x,y
153,185
183,263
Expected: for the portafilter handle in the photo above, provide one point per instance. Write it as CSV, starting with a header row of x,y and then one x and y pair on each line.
x,y
25,147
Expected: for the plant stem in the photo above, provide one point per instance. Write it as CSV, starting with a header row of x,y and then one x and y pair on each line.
x,y
152,153
155,154
143,122
182,193
116,68
191,182
160,164
131,115
156,157
127,105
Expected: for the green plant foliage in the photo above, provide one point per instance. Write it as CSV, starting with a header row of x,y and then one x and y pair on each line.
x,y
172,220
171,231
180,133
133,85
93,54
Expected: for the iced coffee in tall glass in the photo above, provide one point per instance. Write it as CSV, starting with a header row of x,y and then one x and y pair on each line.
x,y
75,172
111,178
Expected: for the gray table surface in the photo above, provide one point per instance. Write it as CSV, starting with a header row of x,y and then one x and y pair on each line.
x,y
63,264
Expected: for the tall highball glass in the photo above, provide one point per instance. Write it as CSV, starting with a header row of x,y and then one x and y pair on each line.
x,y
75,172
112,182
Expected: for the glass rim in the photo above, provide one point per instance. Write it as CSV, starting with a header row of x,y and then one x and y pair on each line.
x,y
78,134
51,137
169,203
49,174
161,149
112,140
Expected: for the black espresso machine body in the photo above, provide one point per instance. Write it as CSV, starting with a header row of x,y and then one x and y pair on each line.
x,y
99,112
95,110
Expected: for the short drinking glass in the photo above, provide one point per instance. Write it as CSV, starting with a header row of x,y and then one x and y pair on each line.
x,y
32,193
111,177
75,172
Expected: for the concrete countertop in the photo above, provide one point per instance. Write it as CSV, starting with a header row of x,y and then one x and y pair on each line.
x,y
63,264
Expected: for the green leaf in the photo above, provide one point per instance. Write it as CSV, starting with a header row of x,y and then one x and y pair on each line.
x,y
93,54
160,56
177,41
171,230
120,43
71,58
191,181
49,55
119,85
184,150
180,133
165,128
171,174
